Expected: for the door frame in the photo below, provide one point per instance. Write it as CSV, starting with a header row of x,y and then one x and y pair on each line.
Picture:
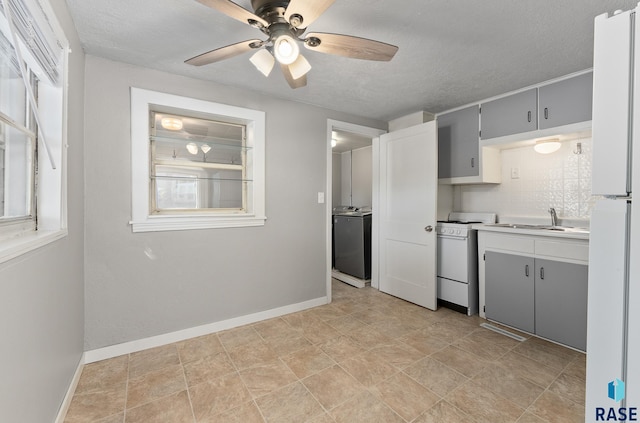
x,y
374,134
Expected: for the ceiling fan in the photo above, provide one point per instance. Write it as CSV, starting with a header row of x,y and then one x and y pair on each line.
x,y
284,22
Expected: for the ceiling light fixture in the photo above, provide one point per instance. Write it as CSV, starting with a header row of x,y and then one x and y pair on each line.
x,y
286,49
547,146
263,61
172,124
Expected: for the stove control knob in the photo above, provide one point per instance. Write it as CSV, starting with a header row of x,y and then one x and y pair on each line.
x,y
458,232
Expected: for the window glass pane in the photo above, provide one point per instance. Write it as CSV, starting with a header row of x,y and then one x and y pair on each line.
x,y
16,173
13,96
191,188
197,164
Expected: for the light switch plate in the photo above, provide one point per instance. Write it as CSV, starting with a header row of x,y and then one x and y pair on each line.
x,y
321,198
515,173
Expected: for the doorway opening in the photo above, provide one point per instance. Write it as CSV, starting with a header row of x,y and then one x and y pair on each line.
x,y
352,184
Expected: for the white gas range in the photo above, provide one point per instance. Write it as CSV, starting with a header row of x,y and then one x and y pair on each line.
x,y
458,260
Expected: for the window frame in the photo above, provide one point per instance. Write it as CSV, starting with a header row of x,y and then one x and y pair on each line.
x,y
51,176
143,220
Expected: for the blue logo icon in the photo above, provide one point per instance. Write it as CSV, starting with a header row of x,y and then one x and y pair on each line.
x,y
616,390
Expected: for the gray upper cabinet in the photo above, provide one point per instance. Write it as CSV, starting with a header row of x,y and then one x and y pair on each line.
x,y
458,143
565,102
561,302
510,290
510,115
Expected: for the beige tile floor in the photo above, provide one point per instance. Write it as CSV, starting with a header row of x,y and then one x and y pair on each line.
x,y
367,357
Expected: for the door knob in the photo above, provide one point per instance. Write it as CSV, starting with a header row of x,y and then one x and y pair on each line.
x,y
428,228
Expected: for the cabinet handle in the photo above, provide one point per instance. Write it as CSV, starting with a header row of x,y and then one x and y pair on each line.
x,y
473,162
529,116
542,273
546,113
526,270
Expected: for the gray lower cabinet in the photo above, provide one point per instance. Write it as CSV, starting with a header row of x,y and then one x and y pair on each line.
x,y
545,297
458,143
565,102
561,302
510,115
509,290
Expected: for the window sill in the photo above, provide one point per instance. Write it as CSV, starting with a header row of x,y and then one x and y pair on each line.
x,y
183,223
22,244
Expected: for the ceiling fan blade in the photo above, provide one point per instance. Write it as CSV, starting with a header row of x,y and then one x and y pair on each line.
x,y
349,46
293,83
310,10
221,53
235,11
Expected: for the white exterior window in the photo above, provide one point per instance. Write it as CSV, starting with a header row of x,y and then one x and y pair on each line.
x,y
33,80
195,164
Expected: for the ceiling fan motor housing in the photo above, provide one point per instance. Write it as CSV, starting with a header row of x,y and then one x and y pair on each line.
x,y
270,10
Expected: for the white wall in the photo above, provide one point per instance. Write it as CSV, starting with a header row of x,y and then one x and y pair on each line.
x,y
561,180
361,176
336,179
357,177
145,284
41,293
345,179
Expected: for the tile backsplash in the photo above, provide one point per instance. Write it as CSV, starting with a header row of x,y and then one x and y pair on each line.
x,y
561,180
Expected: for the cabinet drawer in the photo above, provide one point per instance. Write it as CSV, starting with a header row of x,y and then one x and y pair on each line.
x,y
454,292
510,243
562,250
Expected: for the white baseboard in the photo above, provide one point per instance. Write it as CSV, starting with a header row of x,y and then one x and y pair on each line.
x,y
169,338
66,402
351,280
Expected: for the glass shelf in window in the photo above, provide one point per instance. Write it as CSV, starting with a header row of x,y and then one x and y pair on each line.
x,y
226,143
188,151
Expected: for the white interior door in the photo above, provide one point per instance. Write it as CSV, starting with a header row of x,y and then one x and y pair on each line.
x,y
408,201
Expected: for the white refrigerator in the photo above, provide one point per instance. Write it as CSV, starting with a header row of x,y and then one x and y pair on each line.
x,y
613,328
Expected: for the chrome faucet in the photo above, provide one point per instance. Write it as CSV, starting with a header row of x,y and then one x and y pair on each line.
x,y
554,217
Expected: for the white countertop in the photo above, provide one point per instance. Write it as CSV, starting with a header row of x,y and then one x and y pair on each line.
x,y
582,234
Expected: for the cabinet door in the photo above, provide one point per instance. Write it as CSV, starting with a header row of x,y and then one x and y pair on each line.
x,y
458,143
510,115
561,302
509,290
567,101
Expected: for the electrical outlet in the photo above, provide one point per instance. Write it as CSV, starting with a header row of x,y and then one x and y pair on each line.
x,y
515,173
320,197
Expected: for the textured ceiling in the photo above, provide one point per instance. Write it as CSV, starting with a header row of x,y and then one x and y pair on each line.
x,y
452,52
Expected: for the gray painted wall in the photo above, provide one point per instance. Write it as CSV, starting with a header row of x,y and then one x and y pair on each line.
x,y
202,276
41,293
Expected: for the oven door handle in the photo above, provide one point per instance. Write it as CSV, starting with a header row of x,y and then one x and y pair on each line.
x,y
460,238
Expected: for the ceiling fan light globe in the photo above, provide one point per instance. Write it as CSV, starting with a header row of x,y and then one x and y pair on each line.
x,y
263,61
300,67
286,49
192,148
